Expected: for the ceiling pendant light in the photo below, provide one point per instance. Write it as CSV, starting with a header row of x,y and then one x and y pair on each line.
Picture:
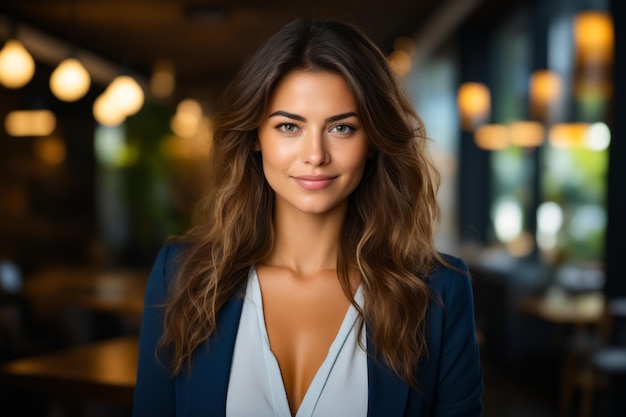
x,y
474,104
163,79
527,133
492,137
70,81
23,123
106,112
126,94
17,66
545,92
594,37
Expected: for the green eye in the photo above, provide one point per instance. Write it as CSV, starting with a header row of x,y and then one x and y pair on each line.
x,y
287,127
343,129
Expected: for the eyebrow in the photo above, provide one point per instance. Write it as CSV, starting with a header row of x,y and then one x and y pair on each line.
x,y
302,119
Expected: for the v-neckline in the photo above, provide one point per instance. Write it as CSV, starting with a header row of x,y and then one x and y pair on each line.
x,y
315,388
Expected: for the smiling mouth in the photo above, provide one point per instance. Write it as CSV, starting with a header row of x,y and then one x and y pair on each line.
x,y
314,182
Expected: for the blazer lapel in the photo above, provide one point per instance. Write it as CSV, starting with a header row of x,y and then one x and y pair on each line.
x,y
211,369
387,393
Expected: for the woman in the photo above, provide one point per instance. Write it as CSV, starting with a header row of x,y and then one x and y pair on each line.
x,y
310,284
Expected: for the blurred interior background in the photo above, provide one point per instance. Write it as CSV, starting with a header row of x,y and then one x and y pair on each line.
x,y
106,110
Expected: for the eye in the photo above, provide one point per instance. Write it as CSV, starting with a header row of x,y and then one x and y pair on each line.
x,y
343,129
288,127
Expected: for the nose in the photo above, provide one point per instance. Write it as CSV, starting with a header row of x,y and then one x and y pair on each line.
x,y
313,150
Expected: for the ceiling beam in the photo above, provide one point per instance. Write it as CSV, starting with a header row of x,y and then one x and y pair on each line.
x,y
444,22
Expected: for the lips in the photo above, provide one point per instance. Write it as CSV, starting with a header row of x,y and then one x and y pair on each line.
x,y
314,182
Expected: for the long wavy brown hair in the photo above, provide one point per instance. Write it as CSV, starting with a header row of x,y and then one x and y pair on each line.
x,y
388,235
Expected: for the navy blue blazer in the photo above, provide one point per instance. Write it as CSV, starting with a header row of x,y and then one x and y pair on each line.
x,y
451,377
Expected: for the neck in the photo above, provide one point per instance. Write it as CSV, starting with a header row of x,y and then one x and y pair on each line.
x,y
306,243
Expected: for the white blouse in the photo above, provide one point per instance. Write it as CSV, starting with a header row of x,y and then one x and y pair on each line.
x,y
256,388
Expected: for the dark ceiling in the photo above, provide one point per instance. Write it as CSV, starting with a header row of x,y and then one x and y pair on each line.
x,y
206,40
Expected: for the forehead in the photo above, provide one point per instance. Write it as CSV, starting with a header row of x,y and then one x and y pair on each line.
x,y
312,90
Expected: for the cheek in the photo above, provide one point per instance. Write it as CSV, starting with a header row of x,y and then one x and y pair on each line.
x,y
354,164
275,156
275,159
359,156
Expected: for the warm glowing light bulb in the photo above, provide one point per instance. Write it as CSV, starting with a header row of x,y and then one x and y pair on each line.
x,y
70,80
400,62
568,134
17,66
127,95
594,35
474,103
106,111
190,106
163,81
186,121
30,123
493,137
545,86
527,134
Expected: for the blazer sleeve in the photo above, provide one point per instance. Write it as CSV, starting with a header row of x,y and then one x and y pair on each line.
x,y
460,378
154,391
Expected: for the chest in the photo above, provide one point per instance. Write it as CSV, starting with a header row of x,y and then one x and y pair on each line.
x,y
302,318
233,374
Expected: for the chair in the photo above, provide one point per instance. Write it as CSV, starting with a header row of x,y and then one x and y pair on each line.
x,y
579,375
595,355
610,360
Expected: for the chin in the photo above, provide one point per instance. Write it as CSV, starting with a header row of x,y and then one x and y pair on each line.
x,y
319,209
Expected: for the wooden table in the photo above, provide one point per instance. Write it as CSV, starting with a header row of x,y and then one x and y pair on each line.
x,y
577,310
108,291
104,371
585,313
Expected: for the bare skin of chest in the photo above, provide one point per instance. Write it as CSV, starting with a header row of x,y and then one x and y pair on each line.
x,y
303,315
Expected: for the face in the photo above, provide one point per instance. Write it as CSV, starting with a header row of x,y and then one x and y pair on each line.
x,y
312,143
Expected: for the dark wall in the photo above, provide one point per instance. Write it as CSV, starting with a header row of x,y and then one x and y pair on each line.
x,y
47,211
616,228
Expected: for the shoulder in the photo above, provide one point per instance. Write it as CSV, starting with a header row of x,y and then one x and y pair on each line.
x,y
166,264
449,277
171,255
451,290
171,250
